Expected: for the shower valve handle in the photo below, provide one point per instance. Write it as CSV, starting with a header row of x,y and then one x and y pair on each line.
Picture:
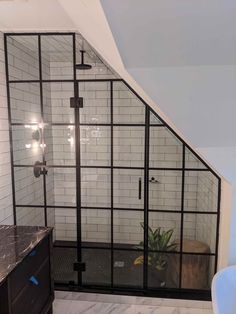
x,y
39,169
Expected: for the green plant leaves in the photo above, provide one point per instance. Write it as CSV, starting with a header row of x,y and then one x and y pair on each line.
x,y
158,240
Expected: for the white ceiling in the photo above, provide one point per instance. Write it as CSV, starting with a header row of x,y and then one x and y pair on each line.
x,y
200,100
34,15
173,33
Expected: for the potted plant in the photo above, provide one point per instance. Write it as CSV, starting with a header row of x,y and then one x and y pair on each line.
x,y
159,242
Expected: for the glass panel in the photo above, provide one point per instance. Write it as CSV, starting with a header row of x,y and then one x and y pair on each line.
x,y
96,225
200,233
60,145
65,224
95,145
128,188
26,216
98,266
126,272
165,189
63,264
28,189
25,103
127,108
127,228
96,102
27,144
201,191
56,102
23,58
191,160
166,222
197,271
128,146
154,119
163,270
64,191
95,187
165,149
57,57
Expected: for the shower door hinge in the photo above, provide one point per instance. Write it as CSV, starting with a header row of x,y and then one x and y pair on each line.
x,y
79,266
76,102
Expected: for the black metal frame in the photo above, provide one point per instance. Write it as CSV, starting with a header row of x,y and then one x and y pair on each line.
x,y
168,292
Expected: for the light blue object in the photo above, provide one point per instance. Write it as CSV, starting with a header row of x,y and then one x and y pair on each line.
x,y
34,281
33,253
224,291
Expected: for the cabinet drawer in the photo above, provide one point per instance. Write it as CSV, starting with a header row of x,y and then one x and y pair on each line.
x,y
20,276
34,296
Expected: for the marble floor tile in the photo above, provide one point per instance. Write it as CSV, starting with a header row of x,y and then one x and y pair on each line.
x,y
87,307
122,299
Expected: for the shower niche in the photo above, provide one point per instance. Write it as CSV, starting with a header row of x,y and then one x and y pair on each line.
x,y
134,208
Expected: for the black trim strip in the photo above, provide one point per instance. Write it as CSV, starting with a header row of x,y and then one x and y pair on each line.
x,y
182,219
112,187
119,247
123,209
146,198
10,130
42,118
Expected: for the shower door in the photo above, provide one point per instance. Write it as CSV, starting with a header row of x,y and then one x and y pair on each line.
x,y
112,149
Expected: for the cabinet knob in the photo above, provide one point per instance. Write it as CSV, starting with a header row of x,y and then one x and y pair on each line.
x,y
34,281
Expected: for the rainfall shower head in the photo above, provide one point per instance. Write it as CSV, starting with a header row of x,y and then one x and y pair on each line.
x,y
82,65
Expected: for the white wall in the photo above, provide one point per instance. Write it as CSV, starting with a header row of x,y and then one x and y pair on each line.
x,y
6,211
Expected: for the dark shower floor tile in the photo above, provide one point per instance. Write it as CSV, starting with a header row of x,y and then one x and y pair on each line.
x,y
98,267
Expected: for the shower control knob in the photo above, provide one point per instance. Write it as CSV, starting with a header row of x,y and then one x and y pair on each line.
x,y
153,180
39,168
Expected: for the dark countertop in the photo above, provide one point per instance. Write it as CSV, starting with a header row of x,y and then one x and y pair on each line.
x,y
16,242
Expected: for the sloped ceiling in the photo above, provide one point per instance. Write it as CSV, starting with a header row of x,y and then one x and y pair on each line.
x,y
173,32
183,54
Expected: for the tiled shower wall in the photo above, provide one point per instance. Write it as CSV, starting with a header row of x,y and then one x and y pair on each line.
x,y
6,211
25,107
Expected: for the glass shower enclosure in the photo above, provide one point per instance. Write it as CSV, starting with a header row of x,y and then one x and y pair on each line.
x,y
134,208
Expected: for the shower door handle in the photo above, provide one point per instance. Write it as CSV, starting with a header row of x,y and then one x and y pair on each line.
x,y
140,188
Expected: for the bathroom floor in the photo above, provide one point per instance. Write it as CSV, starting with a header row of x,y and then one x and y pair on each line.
x,y
76,303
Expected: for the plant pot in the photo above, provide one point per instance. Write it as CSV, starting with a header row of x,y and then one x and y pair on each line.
x,y
156,278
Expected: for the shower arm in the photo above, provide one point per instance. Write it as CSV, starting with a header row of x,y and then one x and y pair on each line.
x,y
82,56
